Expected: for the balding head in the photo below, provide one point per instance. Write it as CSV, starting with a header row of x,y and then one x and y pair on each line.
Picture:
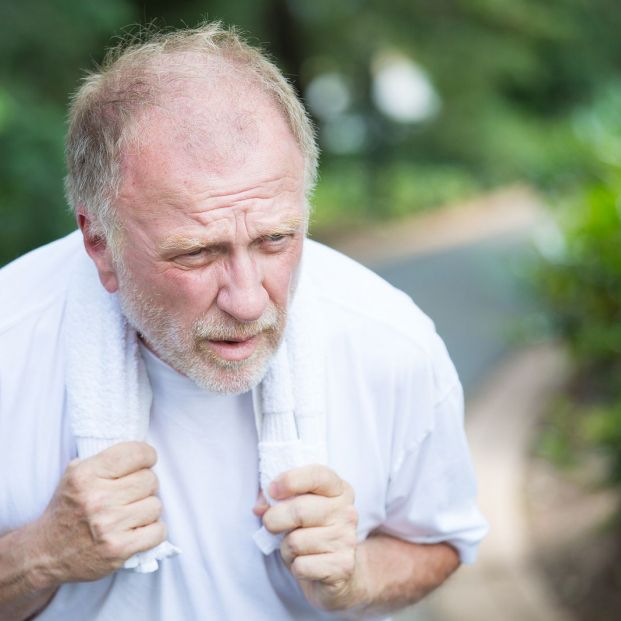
x,y
161,80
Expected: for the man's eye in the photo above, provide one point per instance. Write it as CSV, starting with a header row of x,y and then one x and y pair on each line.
x,y
276,237
192,257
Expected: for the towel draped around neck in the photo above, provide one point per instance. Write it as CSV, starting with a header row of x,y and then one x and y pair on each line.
x,y
109,396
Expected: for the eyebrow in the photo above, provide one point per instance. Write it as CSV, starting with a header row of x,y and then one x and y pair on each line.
x,y
182,243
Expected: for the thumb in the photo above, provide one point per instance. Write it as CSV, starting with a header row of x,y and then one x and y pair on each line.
x,y
261,505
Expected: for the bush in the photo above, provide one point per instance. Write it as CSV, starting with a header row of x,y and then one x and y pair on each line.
x,y
581,287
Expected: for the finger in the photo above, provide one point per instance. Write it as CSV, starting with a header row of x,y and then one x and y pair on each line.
x,y
133,487
261,505
141,513
329,568
300,512
260,511
311,479
318,540
122,459
144,537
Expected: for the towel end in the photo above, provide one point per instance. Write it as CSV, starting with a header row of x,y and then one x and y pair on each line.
x,y
266,542
148,562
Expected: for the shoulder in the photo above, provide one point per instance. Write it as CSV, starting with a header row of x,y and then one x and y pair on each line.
x,y
346,284
379,323
36,281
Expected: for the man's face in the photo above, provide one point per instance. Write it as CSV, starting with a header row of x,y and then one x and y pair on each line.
x,y
212,236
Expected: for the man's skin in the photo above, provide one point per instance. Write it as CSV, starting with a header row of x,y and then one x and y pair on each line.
x,y
104,510
213,239
382,574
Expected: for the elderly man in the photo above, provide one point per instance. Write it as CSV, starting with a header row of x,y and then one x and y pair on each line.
x,y
190,163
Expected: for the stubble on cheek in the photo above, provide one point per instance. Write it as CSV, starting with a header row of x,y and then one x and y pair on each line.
x,y
185,346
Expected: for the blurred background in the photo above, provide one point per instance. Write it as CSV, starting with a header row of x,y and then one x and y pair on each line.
x,y
471,154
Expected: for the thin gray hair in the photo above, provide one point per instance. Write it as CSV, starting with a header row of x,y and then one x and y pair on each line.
x,y
104,111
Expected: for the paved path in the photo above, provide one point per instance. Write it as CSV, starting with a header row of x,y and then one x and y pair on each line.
x,y
461,265
475,296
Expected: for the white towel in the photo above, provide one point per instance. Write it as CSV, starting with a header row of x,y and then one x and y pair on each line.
x,y
293,426
109,396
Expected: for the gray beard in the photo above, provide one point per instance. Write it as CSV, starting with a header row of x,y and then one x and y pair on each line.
x,y
187,350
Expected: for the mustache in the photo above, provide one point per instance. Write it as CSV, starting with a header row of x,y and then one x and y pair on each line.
x,y
225,329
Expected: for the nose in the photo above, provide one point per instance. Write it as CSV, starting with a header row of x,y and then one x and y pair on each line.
x,y
241,294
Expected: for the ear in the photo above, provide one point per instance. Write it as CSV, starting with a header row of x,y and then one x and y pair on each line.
x,y
98,250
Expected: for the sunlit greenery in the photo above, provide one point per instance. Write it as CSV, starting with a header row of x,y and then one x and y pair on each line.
x,y
580,281
508,77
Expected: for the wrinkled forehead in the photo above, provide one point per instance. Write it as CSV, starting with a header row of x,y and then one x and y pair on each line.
x,y
209,116
205,140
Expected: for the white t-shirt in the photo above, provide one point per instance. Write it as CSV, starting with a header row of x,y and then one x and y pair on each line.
x,y
395,433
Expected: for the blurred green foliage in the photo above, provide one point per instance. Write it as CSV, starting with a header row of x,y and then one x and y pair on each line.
x,y
583,286
508,76
43,46
580,281
397,190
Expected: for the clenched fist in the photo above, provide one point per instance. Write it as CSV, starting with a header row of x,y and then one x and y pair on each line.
x,y
104,510
317,515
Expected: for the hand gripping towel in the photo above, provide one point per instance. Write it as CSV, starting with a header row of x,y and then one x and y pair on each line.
x,y
109,396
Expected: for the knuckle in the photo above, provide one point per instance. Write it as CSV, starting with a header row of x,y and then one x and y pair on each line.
x,y
328,475
147,453
72,467
335,479
297,511
298,567
156,505
286,553
294,542
99,528
350,515
316,476
112,550
269,521
91,502
75,476
284,481
145,483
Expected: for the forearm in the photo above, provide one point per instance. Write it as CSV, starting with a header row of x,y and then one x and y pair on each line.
x,y
23,589
393,573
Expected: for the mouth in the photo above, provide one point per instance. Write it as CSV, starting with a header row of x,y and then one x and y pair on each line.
x,y
235,349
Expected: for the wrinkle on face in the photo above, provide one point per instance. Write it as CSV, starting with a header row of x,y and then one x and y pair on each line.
x,y
168,199
223,170
185,203
193,199
172,184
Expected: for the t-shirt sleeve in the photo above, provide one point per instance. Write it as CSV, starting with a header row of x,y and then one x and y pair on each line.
x,y
431,495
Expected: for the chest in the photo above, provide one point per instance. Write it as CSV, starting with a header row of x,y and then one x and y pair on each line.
x,y
208,474
207,459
